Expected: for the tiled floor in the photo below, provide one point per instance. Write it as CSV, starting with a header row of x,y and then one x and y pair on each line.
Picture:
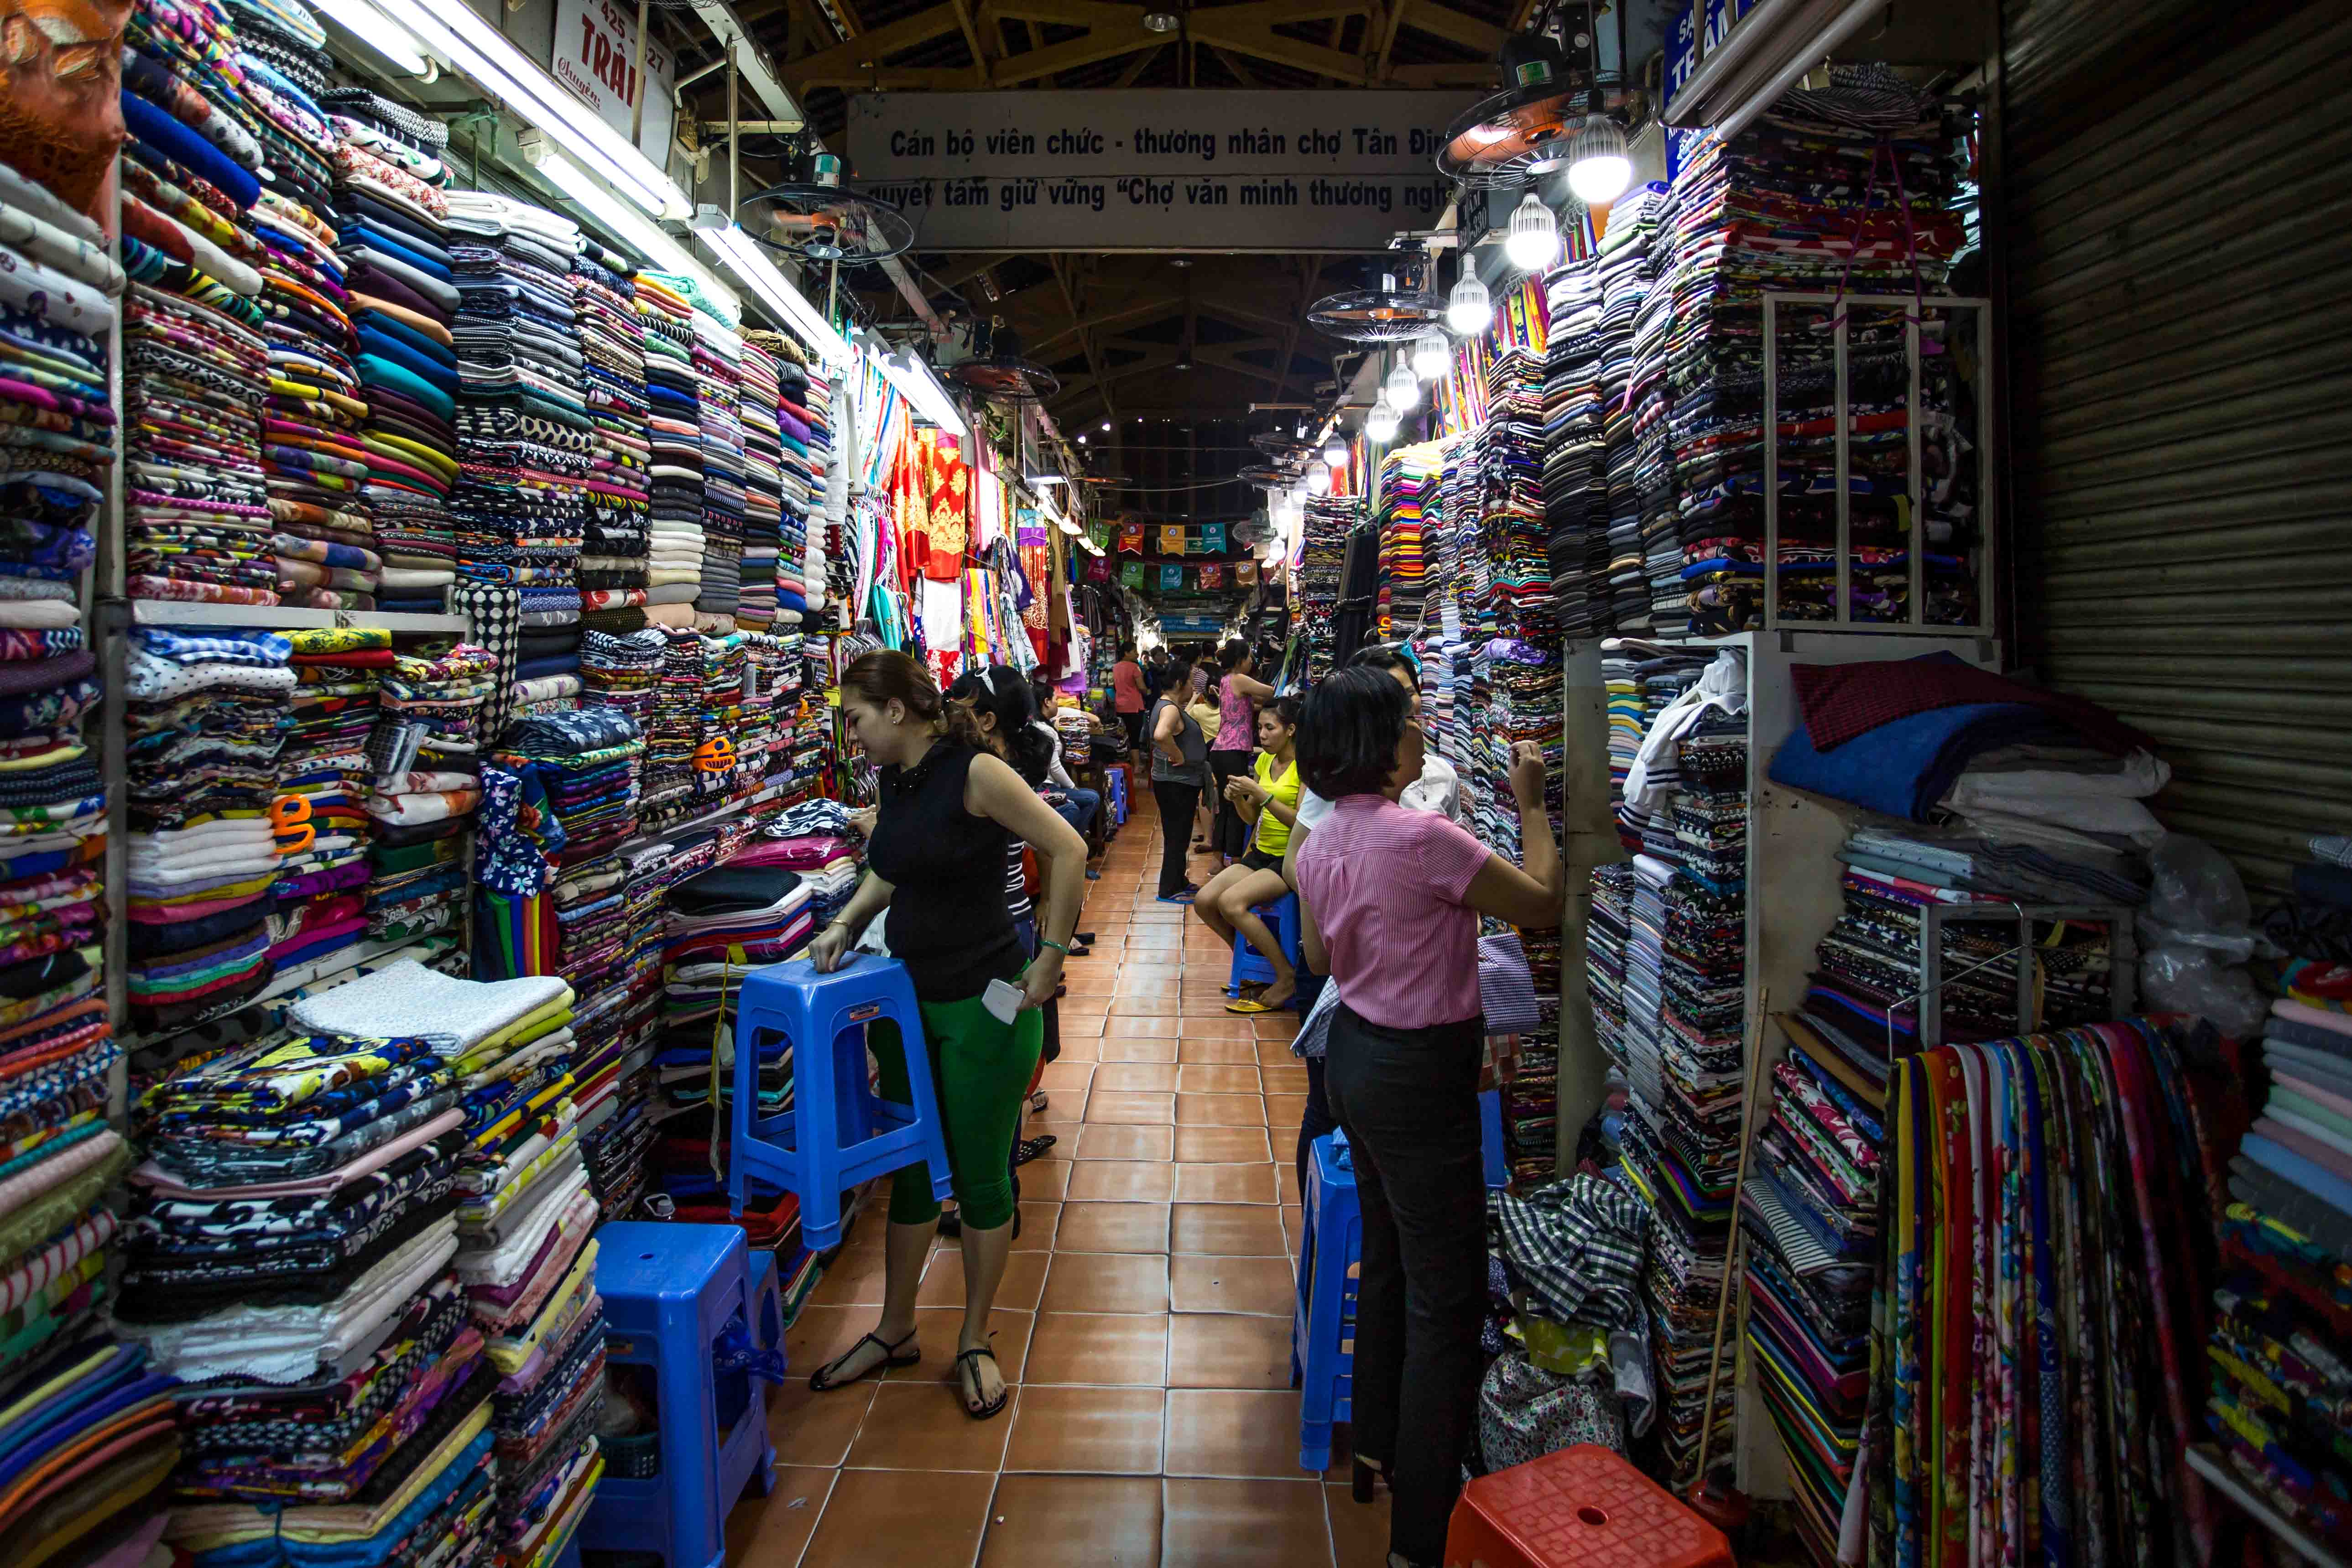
x,y
1144,1318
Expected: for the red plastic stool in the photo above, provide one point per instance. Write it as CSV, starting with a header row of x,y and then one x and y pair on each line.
x,y
1581,1505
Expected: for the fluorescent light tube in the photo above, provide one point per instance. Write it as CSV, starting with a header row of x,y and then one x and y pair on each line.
x,y
906,371
382,34
744,258
481,51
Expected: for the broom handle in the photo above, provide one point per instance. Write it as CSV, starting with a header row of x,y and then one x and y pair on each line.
x,y
1731,1245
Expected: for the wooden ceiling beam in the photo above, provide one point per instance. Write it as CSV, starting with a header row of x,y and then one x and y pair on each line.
x,y
854,60
1104,43
1480,37
1135,66
1463,75
1261,42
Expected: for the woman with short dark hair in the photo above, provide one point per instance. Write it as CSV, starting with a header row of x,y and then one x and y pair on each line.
x,y
1180,771
1397,895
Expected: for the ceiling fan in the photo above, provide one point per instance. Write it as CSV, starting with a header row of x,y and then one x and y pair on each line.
x,y
819,219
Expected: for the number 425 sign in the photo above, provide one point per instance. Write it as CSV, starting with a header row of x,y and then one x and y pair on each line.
x,y
595,57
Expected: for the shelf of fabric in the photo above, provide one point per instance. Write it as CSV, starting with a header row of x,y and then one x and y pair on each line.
x,y
2217,1474
285,617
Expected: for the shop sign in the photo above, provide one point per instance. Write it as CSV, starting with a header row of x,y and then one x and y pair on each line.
x,y
595,58
1155,170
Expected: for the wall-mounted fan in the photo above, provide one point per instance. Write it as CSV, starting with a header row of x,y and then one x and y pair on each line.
x,y
820,218
1554,111
1391,313
1003,376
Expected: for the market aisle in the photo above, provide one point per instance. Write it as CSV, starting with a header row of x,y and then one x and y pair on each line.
x,y
1145,1317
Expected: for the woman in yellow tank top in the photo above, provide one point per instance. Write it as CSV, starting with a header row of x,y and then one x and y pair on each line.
x,y
1266,797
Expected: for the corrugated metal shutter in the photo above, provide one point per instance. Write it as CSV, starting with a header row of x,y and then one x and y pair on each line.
x,y
2180,306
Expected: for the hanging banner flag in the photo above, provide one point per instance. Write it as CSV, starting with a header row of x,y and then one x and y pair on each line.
x,y
1098,569
1171,577
1174,539
1157,169
1246,573
1132,574
1212,576
1130,538
1213,538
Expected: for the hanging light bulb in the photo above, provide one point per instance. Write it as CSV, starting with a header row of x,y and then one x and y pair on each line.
x,y
1598,169
1298,493
1432,356
1468,312
1533,243
1404,389
1318,478
1335,449
1380,424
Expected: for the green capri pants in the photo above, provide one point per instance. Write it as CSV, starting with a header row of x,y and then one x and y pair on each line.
x,y
981,1070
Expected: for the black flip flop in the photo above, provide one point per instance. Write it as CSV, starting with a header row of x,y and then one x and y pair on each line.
x,y
891,1358
1029,1148
986,1411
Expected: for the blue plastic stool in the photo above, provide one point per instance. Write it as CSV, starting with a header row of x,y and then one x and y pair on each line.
x,y
1490,1140
1249,966
838,1133
767,1294
1116,777
1323,1321
670,1291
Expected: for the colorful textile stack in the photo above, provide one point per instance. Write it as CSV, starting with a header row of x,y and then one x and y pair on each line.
x,y
1845,191
1513,573
773,668
390,217
425,755
802,439
86,1447
620,482
1531,1094
585,763
674,427
1322,561
1517,694
1408,495
206,718
2053,1205
323,780
1575,484
719,717
2278,1390
1616,586
674,729
716,355
525,440
763,489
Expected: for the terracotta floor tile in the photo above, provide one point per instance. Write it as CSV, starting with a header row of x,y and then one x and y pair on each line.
x,y
1101,1348
1121,1180
1045,1179
1136,1077
1218,1025
1284,1112
1103,1431
902,1516
1107,1282
1077,1047
1228,1230
1280,1026
1102,1142
1024,1276
1113,1228
1289,1175
1225,1184
1156,1026
1038,1219
1137,989
1220,1111
1208,1349
1222,1145
1216,1078
1084,1029
1284,1077
1128,1005
1276,1053
1071,1521
1260,1285
1359,1532
1216,1053
773,1531
1067,1078
1064,1127
1152,968
1148,1109
937,1329
1244,1524
1134,1050
820,1334
853,1279
922,1426
811,1428
1228,1432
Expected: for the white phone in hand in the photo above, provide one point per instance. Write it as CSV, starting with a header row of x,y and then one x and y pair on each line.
x,y
1003,1000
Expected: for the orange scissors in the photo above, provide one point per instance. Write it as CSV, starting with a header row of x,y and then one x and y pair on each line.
x,y
290,814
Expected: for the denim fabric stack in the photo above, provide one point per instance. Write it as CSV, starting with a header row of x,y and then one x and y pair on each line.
x,y
525,438
391,213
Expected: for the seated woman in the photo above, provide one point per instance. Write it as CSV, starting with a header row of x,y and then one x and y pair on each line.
x,y
1266,797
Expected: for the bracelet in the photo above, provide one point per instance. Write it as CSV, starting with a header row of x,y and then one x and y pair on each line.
x,y
1057,947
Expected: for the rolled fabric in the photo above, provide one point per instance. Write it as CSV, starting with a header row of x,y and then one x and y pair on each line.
x,y
171,139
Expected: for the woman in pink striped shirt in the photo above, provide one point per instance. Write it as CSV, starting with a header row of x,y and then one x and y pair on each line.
x,y
1397,895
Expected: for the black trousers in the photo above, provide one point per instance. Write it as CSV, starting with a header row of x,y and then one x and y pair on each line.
x,y
1231,836
1132,723
1177,804
1315,1120
1409,1101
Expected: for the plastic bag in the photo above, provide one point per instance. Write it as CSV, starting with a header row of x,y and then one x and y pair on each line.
x,y
2196,899
2179,978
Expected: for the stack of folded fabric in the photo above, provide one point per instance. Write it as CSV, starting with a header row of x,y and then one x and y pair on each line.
x,y
774,668
801,438
1575,487
1408,494
586,764
1516,696
58,296
86,1447
719,717
717,358
825,857
1812,198
1513,570
425,754
674,430
763,489
674,727
323,777
828,491
391,223
53,837
1323,558
207,717
620,481
1619,587
525,439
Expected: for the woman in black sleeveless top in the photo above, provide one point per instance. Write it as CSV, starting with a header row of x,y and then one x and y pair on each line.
x,y
949,810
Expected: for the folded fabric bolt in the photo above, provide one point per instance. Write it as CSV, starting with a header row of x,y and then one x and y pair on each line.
x,y
407,998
